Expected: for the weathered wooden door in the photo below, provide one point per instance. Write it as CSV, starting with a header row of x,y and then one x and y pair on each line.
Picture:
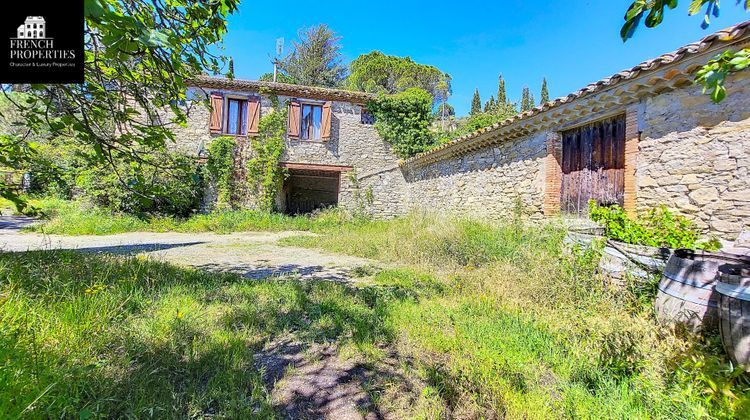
x,y
593,165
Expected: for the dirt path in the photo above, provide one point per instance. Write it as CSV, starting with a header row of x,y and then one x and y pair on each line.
x,y
304,380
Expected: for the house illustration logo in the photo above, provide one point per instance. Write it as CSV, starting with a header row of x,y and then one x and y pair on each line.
x,y
33,28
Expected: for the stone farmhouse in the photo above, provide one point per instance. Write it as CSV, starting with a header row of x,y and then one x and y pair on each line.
x,y
643,137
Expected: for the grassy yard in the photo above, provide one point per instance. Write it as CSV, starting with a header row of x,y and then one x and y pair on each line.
x,y
80,218
493,319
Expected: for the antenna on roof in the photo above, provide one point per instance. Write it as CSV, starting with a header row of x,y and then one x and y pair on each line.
x,y
279,51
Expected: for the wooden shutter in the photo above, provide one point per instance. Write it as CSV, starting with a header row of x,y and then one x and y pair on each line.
x,y
294,118
217,109
253,115
325,131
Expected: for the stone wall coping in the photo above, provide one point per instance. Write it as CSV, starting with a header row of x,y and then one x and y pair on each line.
x,y
666,72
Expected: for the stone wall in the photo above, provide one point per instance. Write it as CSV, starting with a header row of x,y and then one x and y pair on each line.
x,y
491,182
692,156
695,156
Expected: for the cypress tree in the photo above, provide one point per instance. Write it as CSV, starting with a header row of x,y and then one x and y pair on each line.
x,y
545,93
476,104
489,106
525,104
502,99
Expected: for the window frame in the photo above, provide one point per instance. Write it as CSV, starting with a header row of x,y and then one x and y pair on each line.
x,y
302,133
241,115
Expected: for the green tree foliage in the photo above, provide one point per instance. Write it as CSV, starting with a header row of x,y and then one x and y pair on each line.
x,y
502,98
446,110
713,74
139,56
442,91
526,100
474,122
280,78
544,96
376,72
403,120
476,104
174,188
316,58
489,106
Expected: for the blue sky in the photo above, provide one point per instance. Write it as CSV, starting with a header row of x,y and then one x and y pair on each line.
x,y
572,43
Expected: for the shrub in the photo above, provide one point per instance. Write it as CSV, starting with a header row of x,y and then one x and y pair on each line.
x,y
659,227
404,119
173,188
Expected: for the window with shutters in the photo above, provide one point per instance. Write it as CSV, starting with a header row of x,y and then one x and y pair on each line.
x,y
236,122
312,117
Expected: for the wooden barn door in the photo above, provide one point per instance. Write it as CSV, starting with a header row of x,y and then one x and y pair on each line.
x,y
593,165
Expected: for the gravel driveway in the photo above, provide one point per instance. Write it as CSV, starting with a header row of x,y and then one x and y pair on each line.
x,y
250,254
303,383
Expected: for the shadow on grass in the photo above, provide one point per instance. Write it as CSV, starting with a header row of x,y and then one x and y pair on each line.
x,y
303,272
162,341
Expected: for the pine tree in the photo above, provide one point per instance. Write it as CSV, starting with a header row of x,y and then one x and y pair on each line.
x,y
476,104
545,93
501,97
525,100
532,104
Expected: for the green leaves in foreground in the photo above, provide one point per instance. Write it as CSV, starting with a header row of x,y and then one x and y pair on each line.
x,y
713,74
139,55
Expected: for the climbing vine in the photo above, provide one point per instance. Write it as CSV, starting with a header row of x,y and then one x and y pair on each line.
x,y
362,199
404,119
263,170
220,169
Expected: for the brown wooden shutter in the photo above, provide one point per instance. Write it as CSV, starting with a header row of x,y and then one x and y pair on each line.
x,y
217,109
325,131
294,118
253,115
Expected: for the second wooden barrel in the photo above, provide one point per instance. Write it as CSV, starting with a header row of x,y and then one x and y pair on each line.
x,y
687,292
734,311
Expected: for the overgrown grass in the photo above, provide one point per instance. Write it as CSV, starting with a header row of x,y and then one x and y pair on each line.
x,y
84,335
494,319
80,218
522,330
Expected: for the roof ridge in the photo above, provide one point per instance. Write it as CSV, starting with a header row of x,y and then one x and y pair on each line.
x,y
725,35
212,81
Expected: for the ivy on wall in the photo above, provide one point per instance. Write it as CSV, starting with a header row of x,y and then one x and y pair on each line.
x,y
264,174
403,120
220,168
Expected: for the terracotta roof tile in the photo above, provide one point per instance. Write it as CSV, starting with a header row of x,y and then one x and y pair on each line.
x,y
286,89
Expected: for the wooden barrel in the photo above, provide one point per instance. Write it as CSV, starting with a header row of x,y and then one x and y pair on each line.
x,y
733,288
687,292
